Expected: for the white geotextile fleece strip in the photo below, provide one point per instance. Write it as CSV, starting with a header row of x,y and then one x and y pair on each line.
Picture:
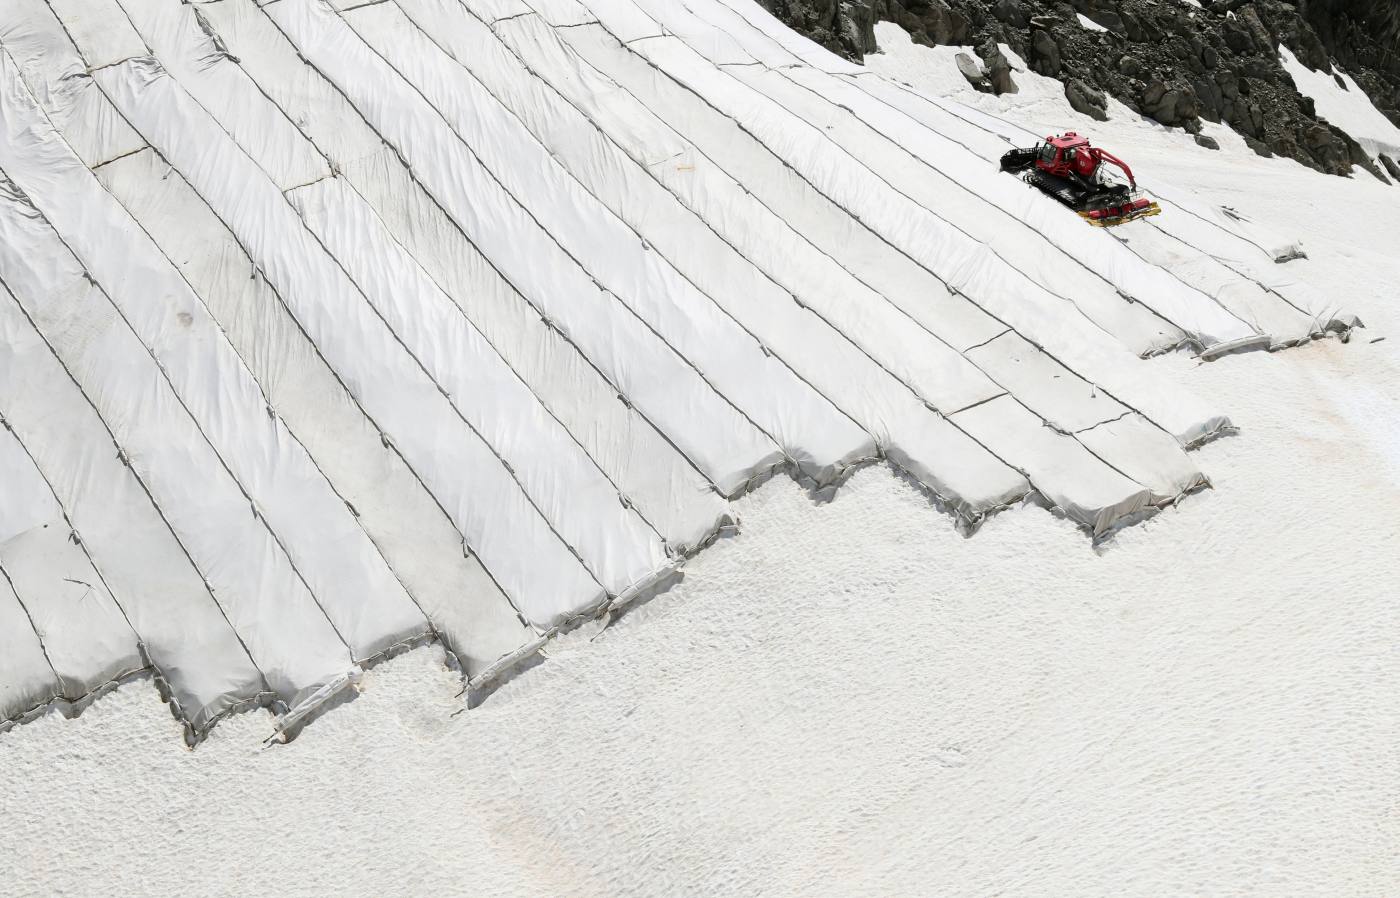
x,y
267,603
185,633
417,538
1268,314
1245,258
100,29
818,437
322,540
614,542
1064,471
809,52
878,263
869,99
87,639
674,496
176,34
58,78
648,371
533,566
970,479
1071,404
26,679
815,278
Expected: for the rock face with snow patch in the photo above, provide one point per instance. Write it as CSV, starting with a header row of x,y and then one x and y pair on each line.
x,y
325,332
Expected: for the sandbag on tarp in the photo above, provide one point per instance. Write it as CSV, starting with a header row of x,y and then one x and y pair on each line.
x,y
86,637
416,536
656,478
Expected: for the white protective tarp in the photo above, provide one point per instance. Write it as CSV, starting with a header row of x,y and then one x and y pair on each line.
x,y
815,434
332,326
662,484
417,538
528,559
320,538
670,392
792,328
58,79
1002,292
436,347
85,635
27,681
182,626
287,631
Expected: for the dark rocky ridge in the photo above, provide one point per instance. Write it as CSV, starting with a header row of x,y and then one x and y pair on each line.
x,y
1162,58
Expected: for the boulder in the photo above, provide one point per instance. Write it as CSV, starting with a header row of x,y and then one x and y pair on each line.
x,y
1045,52
973,73
1086,100
998,69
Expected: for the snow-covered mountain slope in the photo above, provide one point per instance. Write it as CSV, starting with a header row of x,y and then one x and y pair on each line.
x,y
327,331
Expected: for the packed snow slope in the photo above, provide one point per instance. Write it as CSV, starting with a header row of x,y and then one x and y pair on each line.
x,y
329,330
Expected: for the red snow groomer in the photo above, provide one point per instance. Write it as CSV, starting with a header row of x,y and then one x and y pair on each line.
x,y
1072,171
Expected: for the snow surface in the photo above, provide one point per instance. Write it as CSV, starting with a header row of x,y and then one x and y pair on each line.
x,y
850,698
1089,24
1347,106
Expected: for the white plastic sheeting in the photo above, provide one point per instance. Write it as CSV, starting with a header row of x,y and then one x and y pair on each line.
x,y
329,327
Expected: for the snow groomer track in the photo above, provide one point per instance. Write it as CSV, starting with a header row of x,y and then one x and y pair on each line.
x,y
326,332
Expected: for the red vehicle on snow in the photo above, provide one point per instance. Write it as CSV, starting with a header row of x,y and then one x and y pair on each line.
x,y
1073,172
